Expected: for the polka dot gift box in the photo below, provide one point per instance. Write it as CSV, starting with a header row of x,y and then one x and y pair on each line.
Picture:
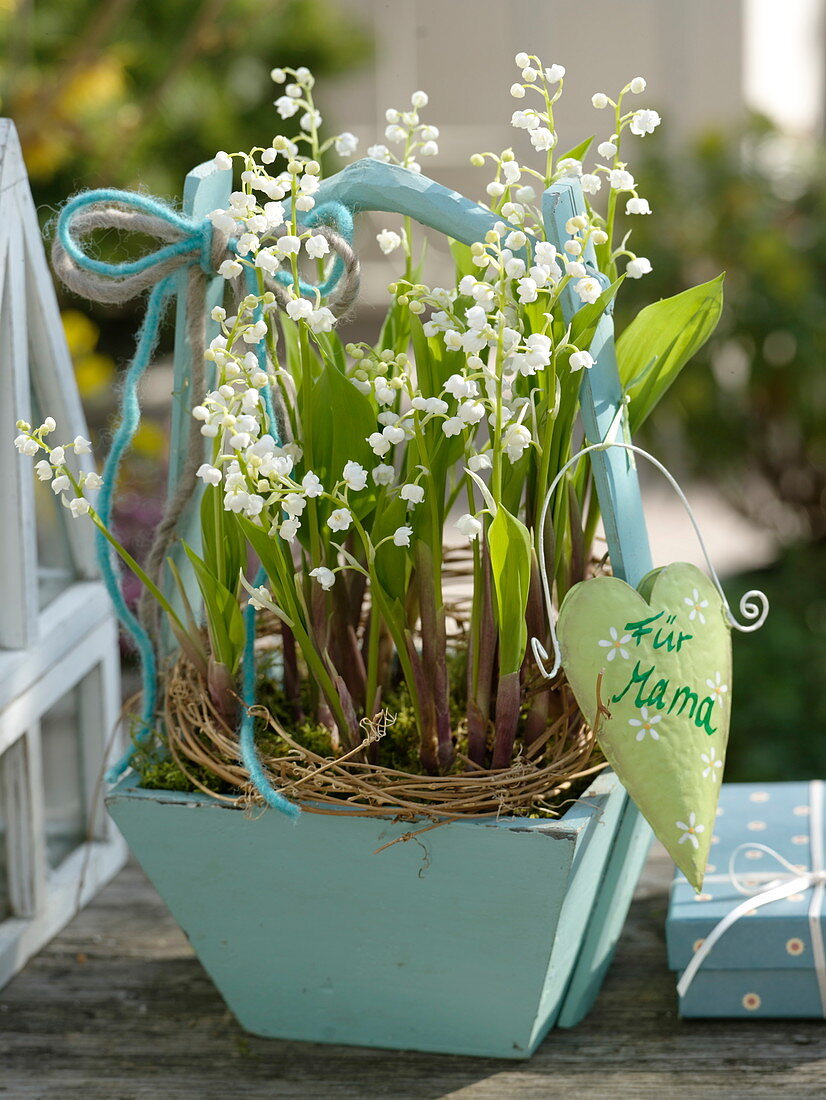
x,y
752,943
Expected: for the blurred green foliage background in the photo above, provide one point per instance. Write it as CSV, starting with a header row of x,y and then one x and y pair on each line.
x,y
749,412
120,93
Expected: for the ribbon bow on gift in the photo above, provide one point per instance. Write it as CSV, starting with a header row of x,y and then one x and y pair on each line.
x,y
794,881
198,248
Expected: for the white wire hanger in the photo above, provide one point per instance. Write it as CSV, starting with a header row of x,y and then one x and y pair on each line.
x,y
754,604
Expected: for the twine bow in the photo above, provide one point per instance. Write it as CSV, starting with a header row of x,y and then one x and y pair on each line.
x,y
793,881
199,249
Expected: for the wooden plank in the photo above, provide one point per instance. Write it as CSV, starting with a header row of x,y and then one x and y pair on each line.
x,y
50,368
371,185
117,1006
18,547
619,879
25,864
62,627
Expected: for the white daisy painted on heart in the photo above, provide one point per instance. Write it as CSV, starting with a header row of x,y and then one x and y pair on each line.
x,y
615,644
646,724
696,605
712,763
718,688
691,831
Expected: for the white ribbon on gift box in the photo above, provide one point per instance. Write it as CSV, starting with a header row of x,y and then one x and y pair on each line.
x,y
781,886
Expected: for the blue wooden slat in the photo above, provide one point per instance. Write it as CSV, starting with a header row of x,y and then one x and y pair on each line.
x,y
615,476
372,185
615,471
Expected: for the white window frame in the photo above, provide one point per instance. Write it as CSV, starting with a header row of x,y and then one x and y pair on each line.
x,y
73,641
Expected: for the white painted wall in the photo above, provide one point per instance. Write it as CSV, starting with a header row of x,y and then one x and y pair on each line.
x,y
461,52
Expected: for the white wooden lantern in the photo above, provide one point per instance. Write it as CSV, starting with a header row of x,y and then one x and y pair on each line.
x,y
59,666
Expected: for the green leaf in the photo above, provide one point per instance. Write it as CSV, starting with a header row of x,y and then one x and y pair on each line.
x,y
669,332
225,621
586,319
332,349
340,420
578,152
289,331
510,560
222,543
392,562
463,258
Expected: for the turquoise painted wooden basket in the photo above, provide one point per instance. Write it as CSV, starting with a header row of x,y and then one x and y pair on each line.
x,y
475,937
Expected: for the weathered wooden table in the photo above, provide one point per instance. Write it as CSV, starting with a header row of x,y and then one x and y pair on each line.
x,y
118,1008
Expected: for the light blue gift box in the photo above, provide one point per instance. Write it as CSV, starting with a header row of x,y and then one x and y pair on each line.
x,y
766,962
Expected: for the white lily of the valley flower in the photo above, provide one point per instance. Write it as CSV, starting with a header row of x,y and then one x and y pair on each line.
x,y
638,267
590,183
79,506
587,289
401,536
340,519
229,269
354,476
311,484
413,494
325,577
346,144
469,526
321,320
260,597
580,360
644,122
621,180
317,246
210,475
383,474
515,439
289,529
26,446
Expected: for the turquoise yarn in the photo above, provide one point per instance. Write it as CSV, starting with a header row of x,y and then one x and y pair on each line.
x,y
195,232
334,214
129,422
249,756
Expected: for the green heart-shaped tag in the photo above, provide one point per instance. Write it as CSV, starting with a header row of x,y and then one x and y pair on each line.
x,y
661,656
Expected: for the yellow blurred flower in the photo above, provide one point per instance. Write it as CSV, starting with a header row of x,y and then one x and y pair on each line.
x,y
149,440
94,372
